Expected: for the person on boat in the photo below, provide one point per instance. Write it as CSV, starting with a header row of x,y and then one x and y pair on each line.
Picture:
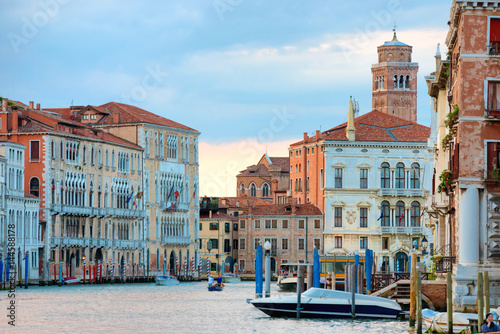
x,y
219,281
488,325
210,281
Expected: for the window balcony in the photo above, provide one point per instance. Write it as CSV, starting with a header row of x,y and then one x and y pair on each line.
x,y
401,230
494,48
397,192
493,114
177,240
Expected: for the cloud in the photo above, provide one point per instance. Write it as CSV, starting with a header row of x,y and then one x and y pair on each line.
x,y
221,162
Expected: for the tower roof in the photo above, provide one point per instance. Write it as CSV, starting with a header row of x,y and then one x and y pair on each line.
x,y
394,42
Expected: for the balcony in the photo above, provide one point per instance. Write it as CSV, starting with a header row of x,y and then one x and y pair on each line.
x,y
445,264
178,240
396,192
401,230
72,210
166,206
494,49
493,114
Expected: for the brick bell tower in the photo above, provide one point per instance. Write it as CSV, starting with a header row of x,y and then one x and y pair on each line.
x,y
394,89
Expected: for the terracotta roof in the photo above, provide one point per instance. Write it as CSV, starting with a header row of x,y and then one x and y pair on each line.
x,y
255,170
131,114
376,126
285,210
217,215
283,162
243,202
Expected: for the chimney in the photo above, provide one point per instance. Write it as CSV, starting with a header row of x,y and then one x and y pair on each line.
x,y
32,104
4,104
438,57
317,135
15,119
116,118
305,137
350,130
294,206
38,106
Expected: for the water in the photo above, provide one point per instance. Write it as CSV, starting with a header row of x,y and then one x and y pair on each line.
x,y
147,308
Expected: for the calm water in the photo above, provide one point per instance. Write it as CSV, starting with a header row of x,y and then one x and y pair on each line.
x,y
147,308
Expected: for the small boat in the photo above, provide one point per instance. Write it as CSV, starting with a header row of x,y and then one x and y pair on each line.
x,y
323,303
166,280
287,284
216,288
71,280
230,278
437,322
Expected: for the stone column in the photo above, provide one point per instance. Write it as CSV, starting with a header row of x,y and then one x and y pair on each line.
x,y
469,226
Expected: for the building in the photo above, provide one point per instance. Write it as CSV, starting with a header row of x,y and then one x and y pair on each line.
x,y
267,179
465,92
292,229
378,176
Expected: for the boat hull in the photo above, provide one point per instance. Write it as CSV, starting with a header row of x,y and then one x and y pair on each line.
x,y
166,281
231,279
214,288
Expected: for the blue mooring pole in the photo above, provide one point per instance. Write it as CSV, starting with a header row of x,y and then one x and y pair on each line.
x,y
368,269
60,272
356,261
258,273
7,274
316,271
26,270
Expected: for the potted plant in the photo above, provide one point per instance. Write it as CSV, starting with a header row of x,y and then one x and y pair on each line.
x,y
452,117
495,174
446,140
445,178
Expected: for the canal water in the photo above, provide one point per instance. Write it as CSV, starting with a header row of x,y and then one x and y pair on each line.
x,y
147,308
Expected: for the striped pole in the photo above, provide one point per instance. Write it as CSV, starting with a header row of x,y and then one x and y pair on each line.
x,y
208,266
124,270
199,269
98,270
176,266
192,266
185,266
84,269
112,269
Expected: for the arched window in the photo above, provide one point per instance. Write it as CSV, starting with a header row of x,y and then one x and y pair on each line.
x,y
265,190
113,159
400,175
415,214
84,154
107,158
400,209
242,188
385,214
35,187
415,176
407,82
385,176
395,81
376,82
382,83
253,190
401,82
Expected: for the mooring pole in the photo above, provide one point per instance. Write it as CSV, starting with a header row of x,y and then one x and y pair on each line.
x,y
353,289
449,303
299,288
486,292
419,302
413,288
480,297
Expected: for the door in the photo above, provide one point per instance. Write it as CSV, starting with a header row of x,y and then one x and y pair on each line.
x,y
401,260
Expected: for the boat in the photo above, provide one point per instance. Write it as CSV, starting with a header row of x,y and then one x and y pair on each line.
x,y
166,280
71,280
230,278
437,322
323,303
216,288
287,284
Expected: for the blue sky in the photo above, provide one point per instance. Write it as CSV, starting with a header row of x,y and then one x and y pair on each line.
x,y
239,71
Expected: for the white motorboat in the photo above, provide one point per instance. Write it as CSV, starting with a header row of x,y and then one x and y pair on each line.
x,y
323,303
437,322
166,280
230,278
287,284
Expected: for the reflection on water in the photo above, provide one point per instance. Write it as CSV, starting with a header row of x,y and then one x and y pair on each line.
x,y
147,308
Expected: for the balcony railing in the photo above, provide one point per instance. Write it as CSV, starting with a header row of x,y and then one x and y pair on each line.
x,y
96,212
396,192
494,48
401,229
178,240
492,113
445,265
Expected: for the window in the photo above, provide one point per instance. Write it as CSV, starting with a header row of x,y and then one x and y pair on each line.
x,y
253,190
307,184
363,178
35,187
271,223
400,211
242,188
215,243
400,175
363,217
338,217
301,244
385,243
243,244
385,214
242,224
363,242
227,246
414,243
284,244
265,190
415,176
201,227
242,265
385,176
34,150
494,94
308,164
302,224
338,242
494,47
284,223
338,177
256,223
317,223
256,243
227,227
415,214
317,243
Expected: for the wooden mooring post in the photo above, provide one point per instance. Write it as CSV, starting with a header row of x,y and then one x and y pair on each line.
x,y
480,297
419,303
449,302
413,288
486,292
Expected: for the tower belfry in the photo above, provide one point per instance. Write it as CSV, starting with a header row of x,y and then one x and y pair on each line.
x,y
394,89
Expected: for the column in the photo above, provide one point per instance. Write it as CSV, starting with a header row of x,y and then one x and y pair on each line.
x,y
468,226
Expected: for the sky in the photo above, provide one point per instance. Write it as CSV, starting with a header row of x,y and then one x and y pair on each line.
x,y
251,75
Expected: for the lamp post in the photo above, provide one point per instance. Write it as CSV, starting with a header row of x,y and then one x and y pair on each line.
x,y
267,248
424,246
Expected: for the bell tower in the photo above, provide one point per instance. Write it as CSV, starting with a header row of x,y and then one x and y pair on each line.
x,y
394,82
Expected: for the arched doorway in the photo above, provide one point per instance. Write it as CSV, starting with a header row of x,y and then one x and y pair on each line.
x,y
400,262
72,265
122,266
228,267
98,254
171,263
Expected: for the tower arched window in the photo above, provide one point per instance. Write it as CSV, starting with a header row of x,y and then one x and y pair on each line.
x,y
385,214
400,209
242,188
253,190
415,214
265,190
385,176
400,175
415,176
395,81
407,82
377,82
401,82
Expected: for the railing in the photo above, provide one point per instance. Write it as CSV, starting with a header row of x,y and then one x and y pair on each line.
x,y
492,113
401,230
445,265
179,240
380,281
494,48
396,192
